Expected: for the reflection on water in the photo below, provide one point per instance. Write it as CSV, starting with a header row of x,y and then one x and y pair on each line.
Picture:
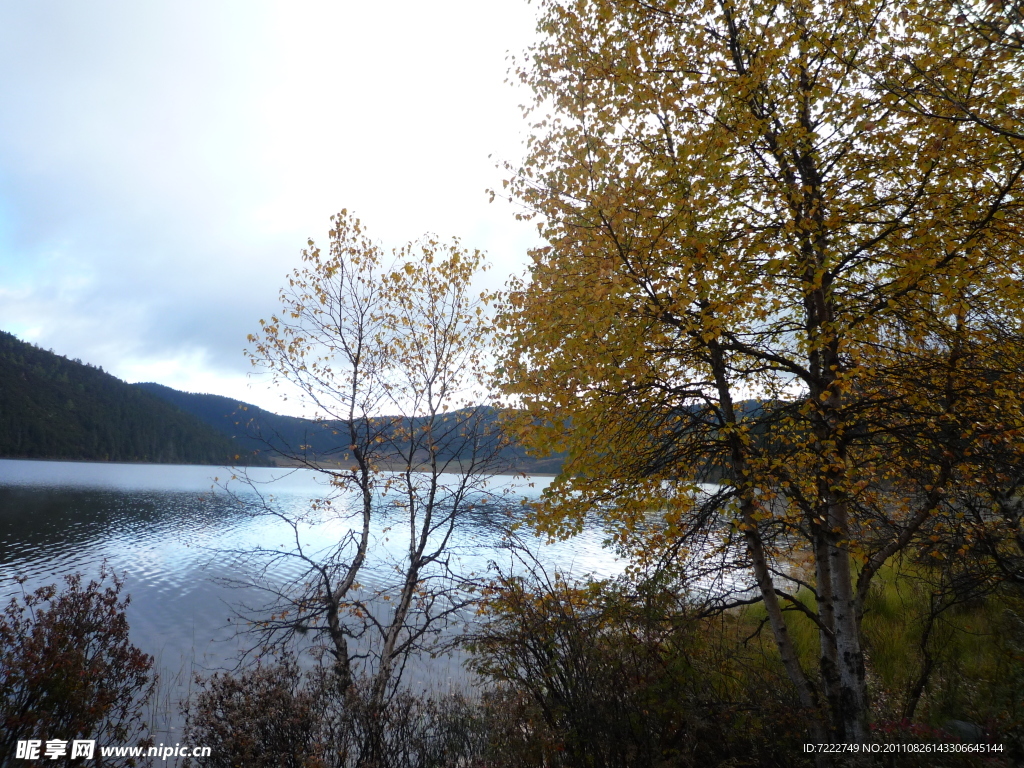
x,y
177,535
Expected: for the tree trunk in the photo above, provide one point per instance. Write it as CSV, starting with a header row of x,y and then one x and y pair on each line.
x,y
828,663
805,690
853,699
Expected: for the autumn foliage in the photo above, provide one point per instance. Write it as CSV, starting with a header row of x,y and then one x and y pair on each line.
x,y
68,670
783,252
777,328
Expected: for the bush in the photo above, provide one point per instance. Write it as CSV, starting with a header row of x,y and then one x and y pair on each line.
x,y
275,715
261,717
67,668
624,674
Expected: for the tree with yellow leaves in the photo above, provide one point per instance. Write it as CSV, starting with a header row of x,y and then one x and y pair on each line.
x,y
780,258
388,351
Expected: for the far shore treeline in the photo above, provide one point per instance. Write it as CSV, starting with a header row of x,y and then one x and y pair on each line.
x,y
53,407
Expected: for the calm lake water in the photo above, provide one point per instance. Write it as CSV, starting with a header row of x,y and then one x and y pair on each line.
x,y
177,536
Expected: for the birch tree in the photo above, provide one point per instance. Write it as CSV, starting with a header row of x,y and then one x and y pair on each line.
x,y
388,350
768,266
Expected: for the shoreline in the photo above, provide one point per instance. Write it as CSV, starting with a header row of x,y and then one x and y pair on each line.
x,y
392,467
513,472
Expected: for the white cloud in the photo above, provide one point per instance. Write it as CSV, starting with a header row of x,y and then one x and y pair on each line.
x,y
162,164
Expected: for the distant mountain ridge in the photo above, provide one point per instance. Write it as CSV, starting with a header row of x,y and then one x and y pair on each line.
x,y
250,426
55,408
52,407
256,429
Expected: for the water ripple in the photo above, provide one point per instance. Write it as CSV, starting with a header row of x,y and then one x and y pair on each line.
x,y
179,536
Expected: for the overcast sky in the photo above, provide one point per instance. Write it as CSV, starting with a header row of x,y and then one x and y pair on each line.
x,y
162,163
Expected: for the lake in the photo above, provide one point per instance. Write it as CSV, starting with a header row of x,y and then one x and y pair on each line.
x,y
177,536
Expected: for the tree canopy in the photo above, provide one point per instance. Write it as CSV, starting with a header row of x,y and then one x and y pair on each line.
x,y
388,349
783,254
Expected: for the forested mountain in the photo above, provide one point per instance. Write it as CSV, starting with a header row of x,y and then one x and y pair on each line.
x,y
251,427
55,408
255,429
